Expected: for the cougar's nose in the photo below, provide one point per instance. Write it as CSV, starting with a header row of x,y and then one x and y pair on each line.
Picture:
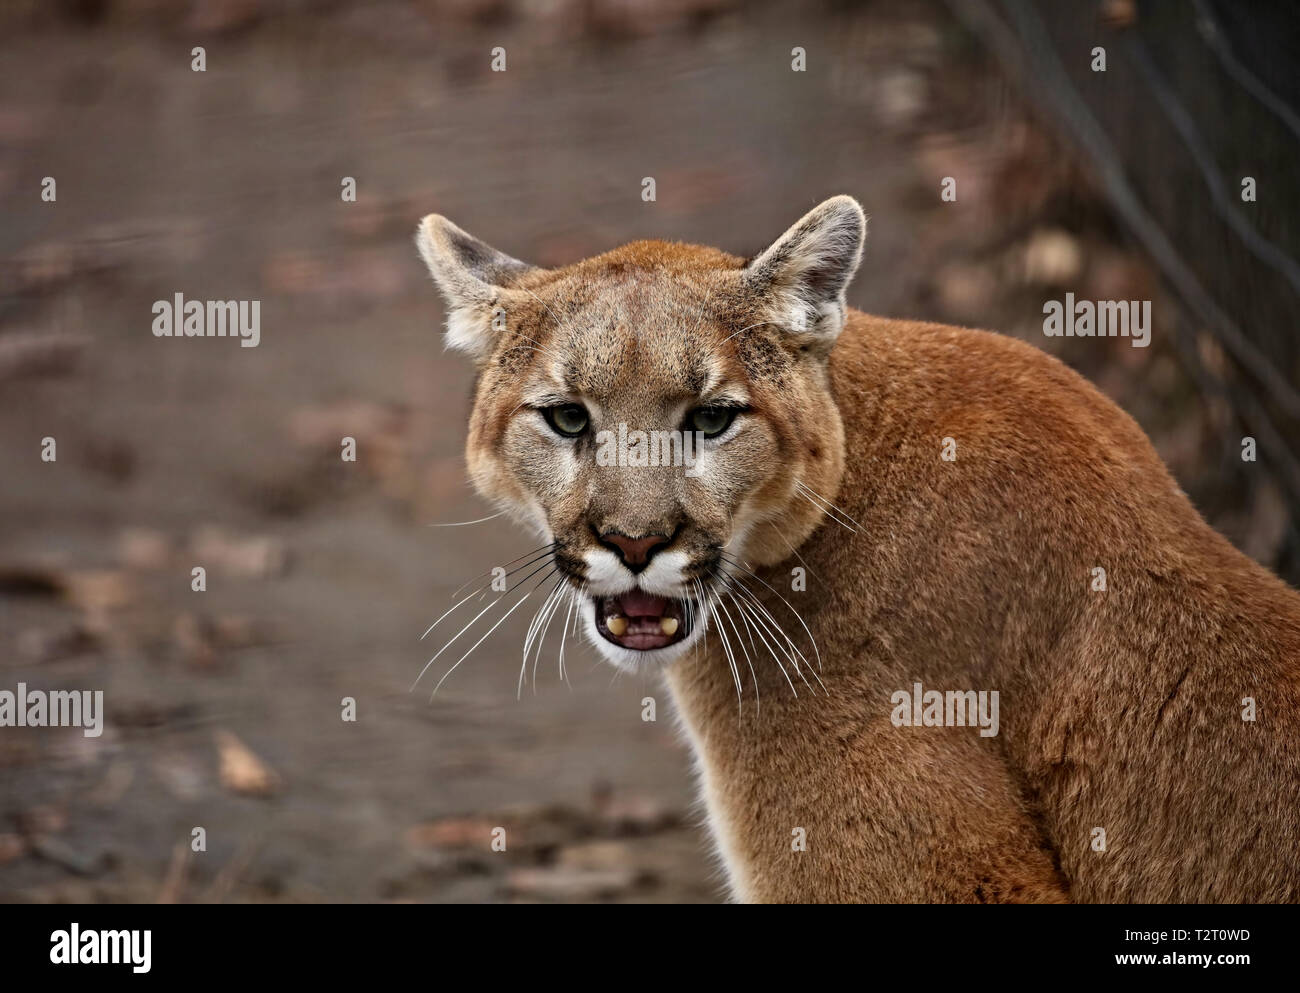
x,y
635,552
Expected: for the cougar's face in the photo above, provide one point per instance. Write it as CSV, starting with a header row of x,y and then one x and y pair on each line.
x,y
649,412
644,449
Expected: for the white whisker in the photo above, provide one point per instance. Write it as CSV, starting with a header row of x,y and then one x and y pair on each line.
x,y
731,660
748,661
544,550
764,617
811,492
477,643
789,606
478,591
743,330
574,594
552,605
533,627
768,645
461,524
453,639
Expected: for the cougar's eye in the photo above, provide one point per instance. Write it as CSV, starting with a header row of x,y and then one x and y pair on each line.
x,y
569,420
710,421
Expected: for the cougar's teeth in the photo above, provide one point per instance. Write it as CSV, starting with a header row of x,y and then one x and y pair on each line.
x,y
668,625
617,625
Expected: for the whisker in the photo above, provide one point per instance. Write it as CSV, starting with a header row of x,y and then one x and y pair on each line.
x,y
731,661
564,632
828,513
739,604
544,549
480,591
533,626
749,631
461,524
774,624
809,490
756,625
798,616
576,614
747,615
453,640
764,618
549,610
528,639
701,597
537,616
779,633
479,642
468,626
743,330
748,661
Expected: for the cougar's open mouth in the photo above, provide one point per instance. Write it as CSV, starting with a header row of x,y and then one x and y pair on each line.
x,y
642,621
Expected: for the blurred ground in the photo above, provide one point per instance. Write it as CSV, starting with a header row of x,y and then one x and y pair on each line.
x,y
224,706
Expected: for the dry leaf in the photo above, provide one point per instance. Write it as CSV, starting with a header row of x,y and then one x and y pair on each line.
x,y
241,770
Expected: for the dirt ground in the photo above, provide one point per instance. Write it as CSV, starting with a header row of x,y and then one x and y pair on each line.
x,y
224,707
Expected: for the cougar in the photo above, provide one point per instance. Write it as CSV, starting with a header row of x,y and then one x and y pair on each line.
x,y
878,508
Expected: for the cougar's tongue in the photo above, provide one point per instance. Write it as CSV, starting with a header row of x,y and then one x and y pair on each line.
x,y
638,603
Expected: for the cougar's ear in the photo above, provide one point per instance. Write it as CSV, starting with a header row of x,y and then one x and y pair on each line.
x,y
800,278
472,276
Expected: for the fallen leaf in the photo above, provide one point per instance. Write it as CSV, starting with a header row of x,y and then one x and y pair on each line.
x,y
241,770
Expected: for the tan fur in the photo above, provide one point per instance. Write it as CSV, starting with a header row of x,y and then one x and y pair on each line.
x,y
1120,710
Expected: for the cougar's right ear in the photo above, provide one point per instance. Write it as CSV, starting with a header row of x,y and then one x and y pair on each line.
x,y
803,275
472,276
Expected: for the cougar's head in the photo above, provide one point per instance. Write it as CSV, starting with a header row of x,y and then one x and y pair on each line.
x,y
658,413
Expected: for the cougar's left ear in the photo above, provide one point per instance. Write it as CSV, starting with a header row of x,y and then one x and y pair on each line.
x,y
472,276
801,277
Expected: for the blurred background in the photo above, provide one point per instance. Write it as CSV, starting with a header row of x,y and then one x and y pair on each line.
x,y
223,707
